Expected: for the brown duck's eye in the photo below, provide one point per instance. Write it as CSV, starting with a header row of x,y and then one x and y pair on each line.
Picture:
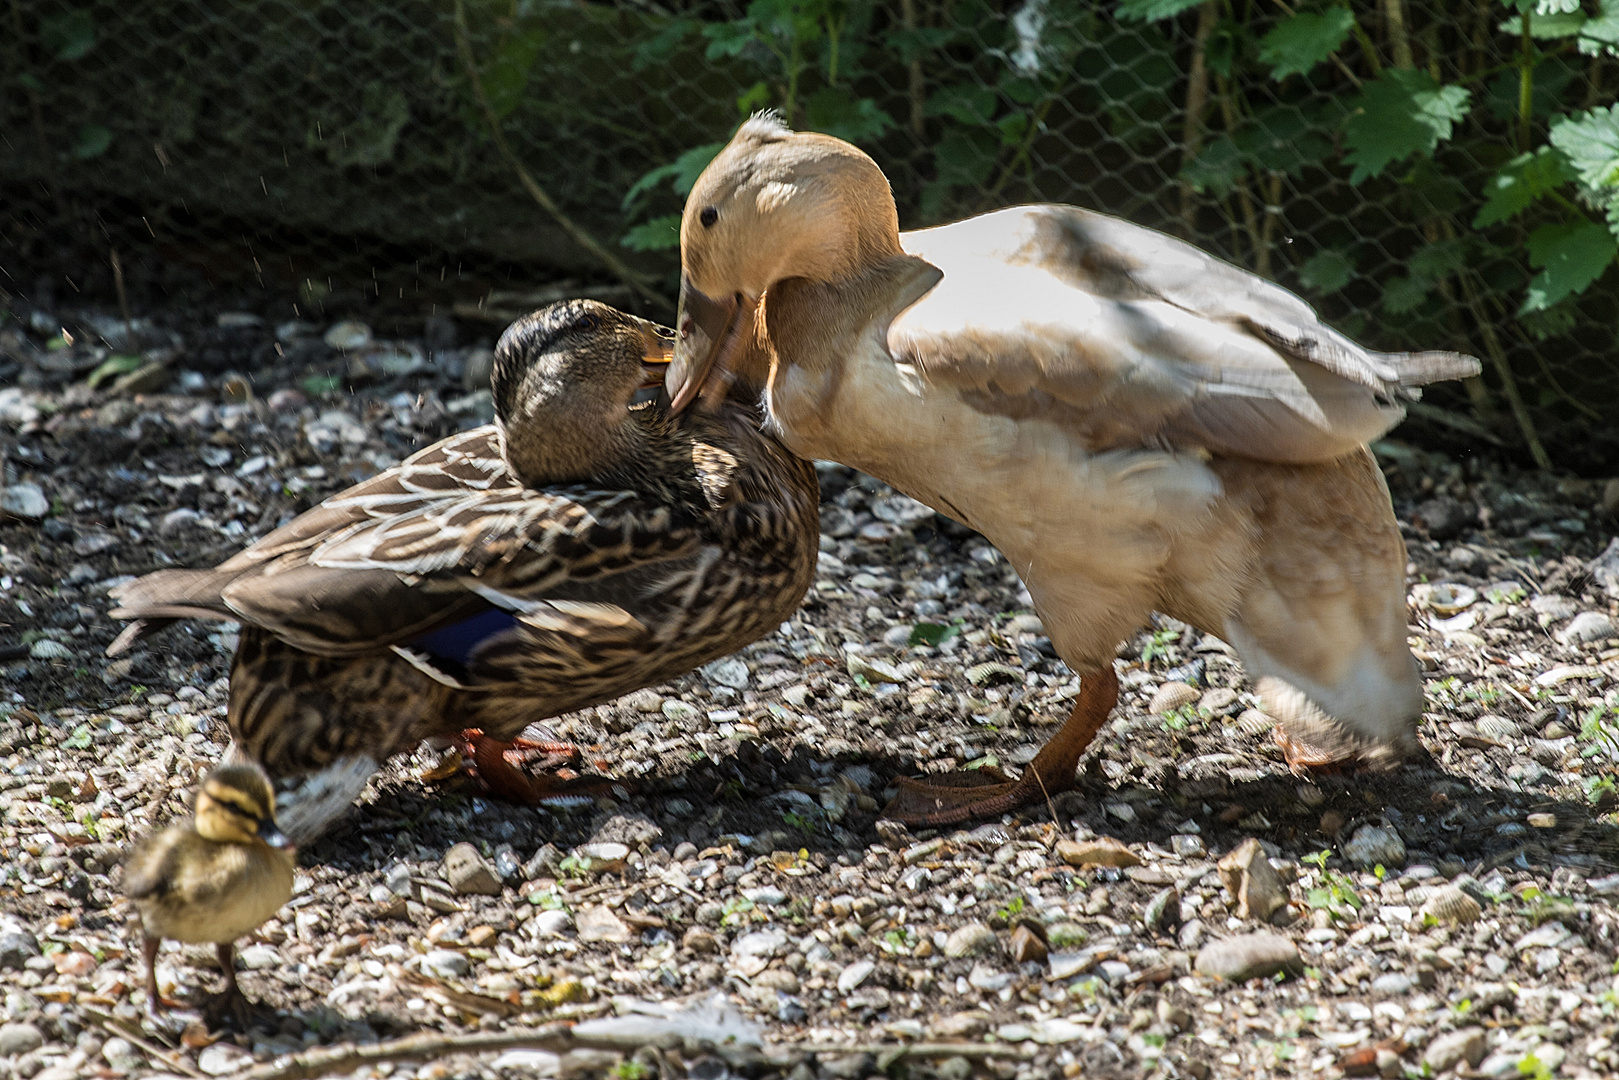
x,y
708,216
587,323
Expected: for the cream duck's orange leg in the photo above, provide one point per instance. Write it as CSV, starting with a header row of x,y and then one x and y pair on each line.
x,y
529,772
962,795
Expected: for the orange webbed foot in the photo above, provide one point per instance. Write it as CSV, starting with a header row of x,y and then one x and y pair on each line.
x,y
531,772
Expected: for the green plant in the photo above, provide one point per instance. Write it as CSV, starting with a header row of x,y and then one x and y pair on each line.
x,y
737,912
804,825
630,1069
1011,910
1335,893
1158,645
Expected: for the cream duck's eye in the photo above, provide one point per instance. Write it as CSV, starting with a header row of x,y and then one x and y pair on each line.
x,y
708,216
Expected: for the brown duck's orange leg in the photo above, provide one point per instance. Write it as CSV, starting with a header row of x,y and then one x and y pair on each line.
x,y
500,768
958,796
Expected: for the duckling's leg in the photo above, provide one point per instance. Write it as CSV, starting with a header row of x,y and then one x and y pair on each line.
x,y
155,1006
230,1003
496,765
962,795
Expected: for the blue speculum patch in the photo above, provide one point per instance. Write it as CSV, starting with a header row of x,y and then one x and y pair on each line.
x,y
459,640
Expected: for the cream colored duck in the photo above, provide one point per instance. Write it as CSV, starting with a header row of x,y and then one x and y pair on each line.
x,y
1135,424
213,877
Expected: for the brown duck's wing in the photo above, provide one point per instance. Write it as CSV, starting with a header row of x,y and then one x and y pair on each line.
x,y
470,462
1128,336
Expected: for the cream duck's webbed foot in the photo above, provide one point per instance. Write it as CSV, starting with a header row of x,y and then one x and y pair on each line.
x,y
953,797
1306,759
531,772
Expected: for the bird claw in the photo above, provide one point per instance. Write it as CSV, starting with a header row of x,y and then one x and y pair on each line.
x,y
531,772
232,1007
1305,759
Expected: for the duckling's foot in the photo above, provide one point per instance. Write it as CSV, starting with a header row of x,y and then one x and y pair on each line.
x,y
531,773
944,800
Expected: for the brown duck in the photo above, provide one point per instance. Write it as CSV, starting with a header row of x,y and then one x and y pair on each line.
x,y
581,547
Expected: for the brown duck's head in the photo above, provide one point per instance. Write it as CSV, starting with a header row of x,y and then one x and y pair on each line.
x,y
775,204
236,805
564,381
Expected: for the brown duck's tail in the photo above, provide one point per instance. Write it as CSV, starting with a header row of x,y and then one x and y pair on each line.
x,y
156,600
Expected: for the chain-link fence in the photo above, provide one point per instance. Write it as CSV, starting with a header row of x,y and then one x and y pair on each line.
x,y
318,149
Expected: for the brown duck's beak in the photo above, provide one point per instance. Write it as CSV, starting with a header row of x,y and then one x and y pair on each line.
x,y
657,350
709,344
273,836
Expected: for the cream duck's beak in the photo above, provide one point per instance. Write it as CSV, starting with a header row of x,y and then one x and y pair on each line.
x,y
712,334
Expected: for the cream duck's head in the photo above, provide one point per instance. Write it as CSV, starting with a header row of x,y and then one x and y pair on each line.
x,y
775,204
236,805
563,381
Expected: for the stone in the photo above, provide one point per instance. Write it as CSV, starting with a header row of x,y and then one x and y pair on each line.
x,y
1248,956
1171,696
962,1025
1588,626
853,975
16,946
732,671
1444,518
1163,911
1027,945
1375,845
469,873
550,923
1246,872
762,943
25,501
346,335
1453,1047
1392,983
973,939
1100,851
446,963
259,957
700,941
19,1039
600,924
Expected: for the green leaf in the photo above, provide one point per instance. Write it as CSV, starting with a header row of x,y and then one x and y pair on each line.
x,y
1520,182
1590,141
965,157
1216,169
68,36
1282,138
319,386
930,634
1226,47
79,740
1327,271
1297,44
505,79
1545,27
682,173
1440,259
753,98
92,141
659,234
1403,112
836,112
660,47
1601,32
968,103
111,368
916,43
1152,10
1573,255
727,39
1403,294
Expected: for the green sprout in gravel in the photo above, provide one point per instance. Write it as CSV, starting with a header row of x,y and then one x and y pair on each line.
x,y
1335,894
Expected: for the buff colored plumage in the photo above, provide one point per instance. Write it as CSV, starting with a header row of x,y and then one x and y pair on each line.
x,y
213,877
1137,426
574,551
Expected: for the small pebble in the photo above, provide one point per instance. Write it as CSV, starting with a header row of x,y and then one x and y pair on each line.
x,y
1247,956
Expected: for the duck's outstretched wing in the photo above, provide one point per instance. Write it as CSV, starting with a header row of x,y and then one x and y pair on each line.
x,y
438,542
1131,336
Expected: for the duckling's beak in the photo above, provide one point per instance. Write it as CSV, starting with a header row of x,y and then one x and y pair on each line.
x,y
657,349
273,836
708,345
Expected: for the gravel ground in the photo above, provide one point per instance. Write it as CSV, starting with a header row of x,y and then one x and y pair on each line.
x,y
1457,912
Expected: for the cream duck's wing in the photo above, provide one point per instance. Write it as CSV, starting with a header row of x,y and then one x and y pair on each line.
x,y
1129,336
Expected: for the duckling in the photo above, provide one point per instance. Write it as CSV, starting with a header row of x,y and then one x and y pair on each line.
x,y
215,876
581,547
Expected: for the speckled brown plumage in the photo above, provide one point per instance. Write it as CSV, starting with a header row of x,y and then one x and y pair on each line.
x,y
697,539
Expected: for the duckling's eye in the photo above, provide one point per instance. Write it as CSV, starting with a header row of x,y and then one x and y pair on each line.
x,y
708,216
